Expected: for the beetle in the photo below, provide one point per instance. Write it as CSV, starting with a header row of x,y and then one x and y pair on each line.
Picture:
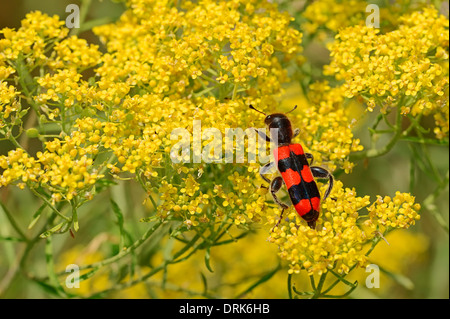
x,y
296,172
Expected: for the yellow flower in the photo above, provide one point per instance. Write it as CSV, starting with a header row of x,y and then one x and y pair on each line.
x,y
171,66
75,52
334,15
29,40
339,240
8,101
405,66
398,212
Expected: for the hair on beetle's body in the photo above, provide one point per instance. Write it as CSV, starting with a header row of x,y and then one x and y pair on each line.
x,y
295,170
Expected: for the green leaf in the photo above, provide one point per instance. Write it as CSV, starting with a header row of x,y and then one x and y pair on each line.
x,y
36,216
93,23
47,287
148,219
89,274
53,277
205,283
118,212
76,226
262,280
52,230
208,259
12,239
400,279
102,184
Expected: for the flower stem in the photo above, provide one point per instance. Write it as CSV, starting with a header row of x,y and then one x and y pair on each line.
x,y
125,252
318,290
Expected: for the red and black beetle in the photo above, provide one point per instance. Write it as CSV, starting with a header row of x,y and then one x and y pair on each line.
x,y
296,173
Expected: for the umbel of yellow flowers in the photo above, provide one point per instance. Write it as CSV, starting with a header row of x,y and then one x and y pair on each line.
x,y
165,67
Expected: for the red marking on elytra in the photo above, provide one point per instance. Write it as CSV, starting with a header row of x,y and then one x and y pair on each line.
x,y
303,207
291,177
306,174
315,201
281,153
297,149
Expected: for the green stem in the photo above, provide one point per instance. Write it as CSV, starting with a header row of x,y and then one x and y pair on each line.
x,y
234,91
153,271
318,290
53,278
260,281
289,284
50,204
13,222
14,141
125,252
430,206
313,284
379,152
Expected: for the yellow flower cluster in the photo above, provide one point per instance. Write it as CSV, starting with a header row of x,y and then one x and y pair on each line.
x,y
229,280
8,102
207,42
30,39
408,65
334,15
76,53
5,71
160,72
167,66
62,86
62,168
327,17
398,212
16,167
186,202
339,242
327,127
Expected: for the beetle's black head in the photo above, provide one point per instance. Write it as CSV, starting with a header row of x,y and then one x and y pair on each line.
x,y
281,124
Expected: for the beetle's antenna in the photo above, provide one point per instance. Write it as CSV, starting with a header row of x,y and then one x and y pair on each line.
x,y
252,107
292,109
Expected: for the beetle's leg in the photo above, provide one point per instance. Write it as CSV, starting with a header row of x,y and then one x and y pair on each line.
x,y
320,172
275,186
263,135
265,170
311,157
296,132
